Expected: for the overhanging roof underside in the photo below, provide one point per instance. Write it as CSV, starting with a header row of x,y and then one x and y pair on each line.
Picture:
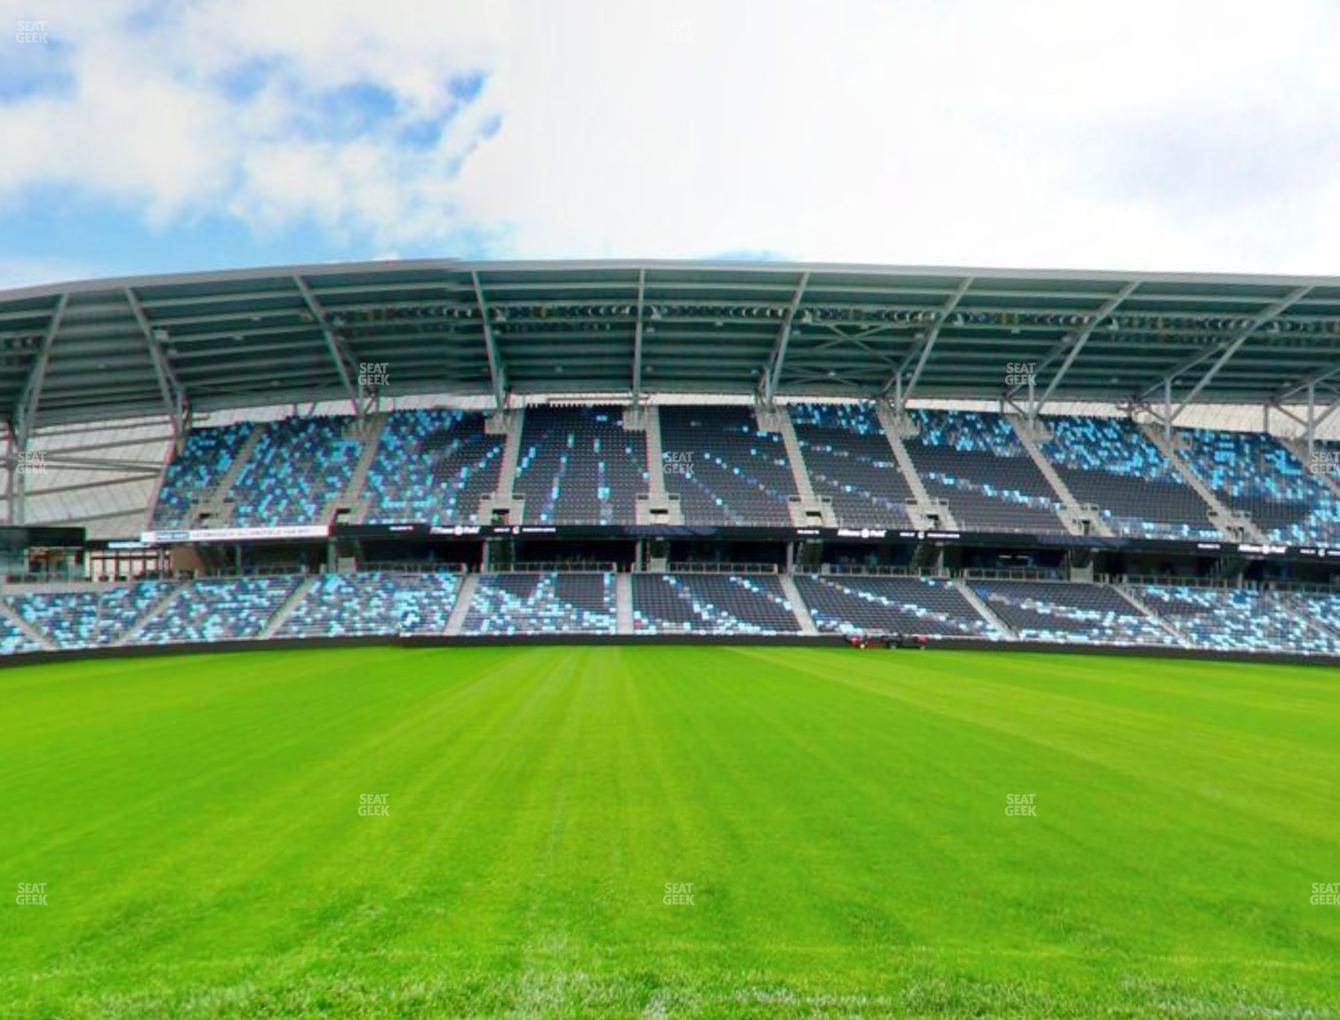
x,y
109,349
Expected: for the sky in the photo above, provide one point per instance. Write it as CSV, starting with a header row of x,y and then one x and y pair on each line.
x,y
1185,136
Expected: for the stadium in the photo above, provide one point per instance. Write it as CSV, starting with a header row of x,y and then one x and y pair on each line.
x,y
434,637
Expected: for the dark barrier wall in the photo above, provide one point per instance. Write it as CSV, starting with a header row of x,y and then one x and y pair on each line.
x,y
512,640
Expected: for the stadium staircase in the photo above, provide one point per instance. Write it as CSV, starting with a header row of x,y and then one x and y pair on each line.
x,y
656,506
983,610
132,633
503,501
215,508
1298,447
1220,516
928,514
1078,519
807,510
26,628
1162,621
285,610
351,501
798,607
461,608
623,603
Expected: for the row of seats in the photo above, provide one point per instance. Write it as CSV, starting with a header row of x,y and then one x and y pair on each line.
x,y
724,469
336,605
1254,473
1109,463
976,463
297,468
711,604
194,474
373,602
543,604
849,459
1240,620
91,618
1070,612
223,609
578,465
854,604
432,466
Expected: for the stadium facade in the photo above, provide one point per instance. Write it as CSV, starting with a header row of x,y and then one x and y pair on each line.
x,y
646,450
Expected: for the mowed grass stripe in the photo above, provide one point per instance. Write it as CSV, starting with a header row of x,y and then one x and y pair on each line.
x,y
840,814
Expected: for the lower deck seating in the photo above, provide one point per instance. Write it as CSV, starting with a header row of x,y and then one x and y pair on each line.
x,y
1237,620
219,609
711,604
1320,611
1069,612
342,605
91,618
13,640
855,604
548,603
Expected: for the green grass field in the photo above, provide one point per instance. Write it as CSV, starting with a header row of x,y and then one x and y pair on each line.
x,y
841,817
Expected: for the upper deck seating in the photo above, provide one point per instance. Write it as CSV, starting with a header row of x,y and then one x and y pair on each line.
x,y
1107,462
577,465
432,466
849,459
723,468
1253,472
711,604
976,463
298,466
193,474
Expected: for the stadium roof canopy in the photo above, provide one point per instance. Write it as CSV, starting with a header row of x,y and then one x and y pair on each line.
x,y
108,349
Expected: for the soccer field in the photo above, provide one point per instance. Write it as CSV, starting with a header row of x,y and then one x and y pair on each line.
x,y
692,831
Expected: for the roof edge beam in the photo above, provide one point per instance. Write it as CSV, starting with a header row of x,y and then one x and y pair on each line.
x,y
921,350
497,369
31,395
1263,317
637,338
1078,342
170,387
773,372
338,353
1320,376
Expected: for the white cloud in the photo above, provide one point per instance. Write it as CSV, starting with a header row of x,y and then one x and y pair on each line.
x,y
30,272
1193,135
